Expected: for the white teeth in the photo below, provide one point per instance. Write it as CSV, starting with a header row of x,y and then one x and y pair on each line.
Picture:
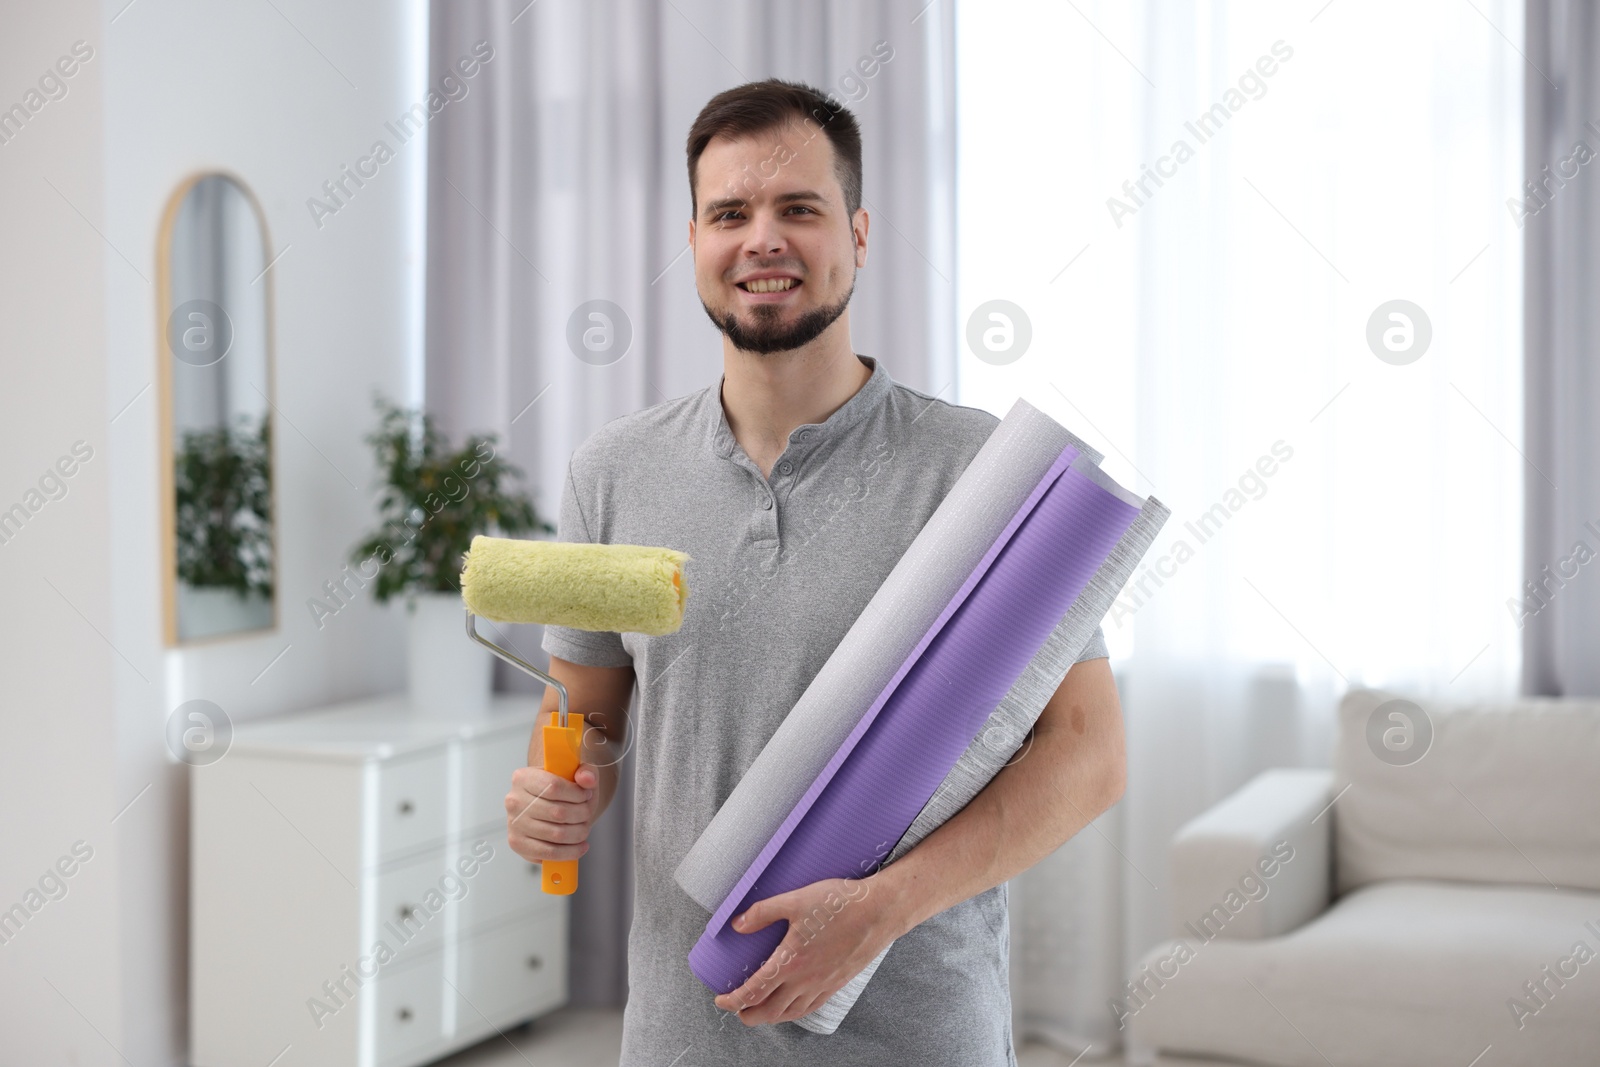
x,y
770,285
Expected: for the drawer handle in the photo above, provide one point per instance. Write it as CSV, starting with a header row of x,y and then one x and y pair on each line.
x,y
405,807
404,1014
534,963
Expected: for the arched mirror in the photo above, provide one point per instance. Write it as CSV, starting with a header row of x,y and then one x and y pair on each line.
x,y
215,357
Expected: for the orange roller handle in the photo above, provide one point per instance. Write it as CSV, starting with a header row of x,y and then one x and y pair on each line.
x,y
563,748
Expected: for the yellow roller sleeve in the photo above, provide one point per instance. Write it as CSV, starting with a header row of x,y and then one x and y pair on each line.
x,y
615,588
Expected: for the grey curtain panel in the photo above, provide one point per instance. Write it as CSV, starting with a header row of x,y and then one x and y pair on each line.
x,y
557,177
1561,233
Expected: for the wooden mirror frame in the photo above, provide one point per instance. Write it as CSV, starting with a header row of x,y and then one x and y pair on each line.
x,y
163,378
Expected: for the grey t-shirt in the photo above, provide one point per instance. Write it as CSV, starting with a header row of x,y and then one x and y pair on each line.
x,y
779,570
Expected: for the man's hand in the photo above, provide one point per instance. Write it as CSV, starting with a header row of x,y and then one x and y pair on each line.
x,y
548,817
836,928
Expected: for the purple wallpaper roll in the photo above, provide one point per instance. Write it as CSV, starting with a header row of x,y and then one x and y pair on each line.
x,y
881,777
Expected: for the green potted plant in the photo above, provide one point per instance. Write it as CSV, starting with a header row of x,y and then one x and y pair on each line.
x,y
435,499
223,528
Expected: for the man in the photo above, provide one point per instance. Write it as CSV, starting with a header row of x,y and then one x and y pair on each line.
x,y
795,485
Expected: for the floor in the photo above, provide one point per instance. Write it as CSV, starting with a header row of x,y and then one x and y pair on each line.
x,y
592,1037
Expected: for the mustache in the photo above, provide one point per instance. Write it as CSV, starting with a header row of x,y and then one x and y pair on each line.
x,y
791,268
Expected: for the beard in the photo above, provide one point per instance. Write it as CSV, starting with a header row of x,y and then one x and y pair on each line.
x,y
767,332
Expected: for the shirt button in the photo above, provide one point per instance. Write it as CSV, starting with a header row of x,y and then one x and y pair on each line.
x,y
766,503
784,467
804,434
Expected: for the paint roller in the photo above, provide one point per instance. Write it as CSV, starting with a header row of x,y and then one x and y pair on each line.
x,y
611,588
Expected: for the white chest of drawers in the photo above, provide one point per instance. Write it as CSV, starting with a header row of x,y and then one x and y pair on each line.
x,y
353,898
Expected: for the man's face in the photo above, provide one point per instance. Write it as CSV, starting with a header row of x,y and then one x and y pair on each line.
x,y
771,212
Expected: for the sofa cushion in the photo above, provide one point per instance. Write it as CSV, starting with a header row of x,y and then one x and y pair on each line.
x,y
1503,793
1426,974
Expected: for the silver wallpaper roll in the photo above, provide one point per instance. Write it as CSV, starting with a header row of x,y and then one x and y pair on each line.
x,y
939,559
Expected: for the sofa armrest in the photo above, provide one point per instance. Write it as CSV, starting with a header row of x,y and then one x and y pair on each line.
x,y
1256,864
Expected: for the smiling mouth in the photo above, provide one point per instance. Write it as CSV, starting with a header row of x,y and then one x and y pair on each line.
x,y
769,285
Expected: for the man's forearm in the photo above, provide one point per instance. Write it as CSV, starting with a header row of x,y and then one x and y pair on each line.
x,y
607,788
1072,773
604,745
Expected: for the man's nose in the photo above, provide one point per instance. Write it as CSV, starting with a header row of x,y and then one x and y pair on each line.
x,y
764,235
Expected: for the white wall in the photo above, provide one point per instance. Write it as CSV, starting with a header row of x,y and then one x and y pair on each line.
x,y
58,780
283,101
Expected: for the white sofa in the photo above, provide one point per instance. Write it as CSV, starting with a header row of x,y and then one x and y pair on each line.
x,y
1396,911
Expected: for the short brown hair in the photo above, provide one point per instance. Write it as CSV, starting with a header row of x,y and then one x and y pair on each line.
x,y
757,107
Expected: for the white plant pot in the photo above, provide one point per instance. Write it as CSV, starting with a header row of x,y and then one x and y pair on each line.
x,y
447,672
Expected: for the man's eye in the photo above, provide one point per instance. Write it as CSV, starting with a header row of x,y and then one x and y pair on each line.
x,y
797,207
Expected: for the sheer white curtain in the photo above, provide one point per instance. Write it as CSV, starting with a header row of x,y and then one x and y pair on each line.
x,y
1199,292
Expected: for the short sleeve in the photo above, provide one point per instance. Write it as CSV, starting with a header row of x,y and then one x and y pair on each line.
x,y
1096,648
585,647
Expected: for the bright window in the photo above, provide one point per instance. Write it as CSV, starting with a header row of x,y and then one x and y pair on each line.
x,y
1200,208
